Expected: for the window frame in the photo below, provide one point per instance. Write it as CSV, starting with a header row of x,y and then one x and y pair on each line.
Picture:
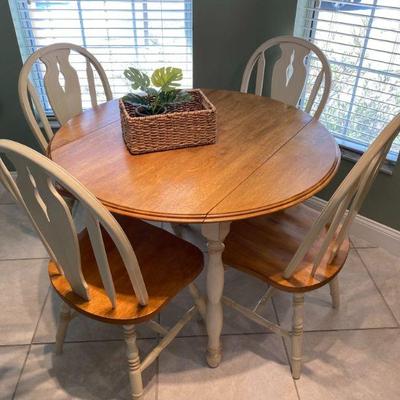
x,y
28,45
351,148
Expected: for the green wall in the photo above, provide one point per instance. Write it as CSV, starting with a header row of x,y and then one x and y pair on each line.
x,y
383,201
12,121
225,33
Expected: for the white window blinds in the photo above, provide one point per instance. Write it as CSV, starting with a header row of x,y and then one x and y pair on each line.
x,y
361,39
145,34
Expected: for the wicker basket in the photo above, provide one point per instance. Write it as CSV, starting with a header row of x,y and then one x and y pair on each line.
x,y
185,125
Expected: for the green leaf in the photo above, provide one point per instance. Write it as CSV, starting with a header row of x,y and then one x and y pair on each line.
x,y
166,98
167,78
183,97
151,91
139,80
135,99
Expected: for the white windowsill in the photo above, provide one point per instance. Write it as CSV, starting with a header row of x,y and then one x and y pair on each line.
x,y
351,153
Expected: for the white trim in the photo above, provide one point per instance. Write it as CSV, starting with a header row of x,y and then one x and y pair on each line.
x,y
368,229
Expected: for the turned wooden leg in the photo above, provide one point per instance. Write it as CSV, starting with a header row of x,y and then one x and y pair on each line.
x,y
215,234
335,294
135,372
65,316
297,334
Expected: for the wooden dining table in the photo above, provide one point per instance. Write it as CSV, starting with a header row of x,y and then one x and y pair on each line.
x,y
268,156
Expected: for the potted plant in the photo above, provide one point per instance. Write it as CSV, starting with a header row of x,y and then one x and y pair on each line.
x,y
159,116
159,98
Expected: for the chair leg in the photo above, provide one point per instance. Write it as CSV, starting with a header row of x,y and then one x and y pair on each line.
x,y
198,300
335,293
65,316
297,334
264,300
135,371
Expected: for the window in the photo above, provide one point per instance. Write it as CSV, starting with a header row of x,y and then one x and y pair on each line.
x,y
146,34
361,39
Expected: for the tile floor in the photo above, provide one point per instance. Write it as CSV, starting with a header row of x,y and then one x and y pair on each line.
x,y
352,353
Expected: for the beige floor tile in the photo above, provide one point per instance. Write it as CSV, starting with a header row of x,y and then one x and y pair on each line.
x,y
24,285
361,304
360,243
81,328
17,236
253,367
351,365
242,288
11,361
5,196
385,271
90,371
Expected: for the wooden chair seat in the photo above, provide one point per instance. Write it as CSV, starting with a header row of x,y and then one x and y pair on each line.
x,y
264,247
168,264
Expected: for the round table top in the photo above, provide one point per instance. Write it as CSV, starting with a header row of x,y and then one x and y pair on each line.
x,y
268,156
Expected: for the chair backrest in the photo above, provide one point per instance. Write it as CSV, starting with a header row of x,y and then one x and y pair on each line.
x,y
62,85
336,218
35,189
289,73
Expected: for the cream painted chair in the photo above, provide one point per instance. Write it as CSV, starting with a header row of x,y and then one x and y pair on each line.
x,y
62,85
118,270
290,72
299,249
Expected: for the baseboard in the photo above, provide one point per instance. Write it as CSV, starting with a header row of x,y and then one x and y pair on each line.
x,y
367,229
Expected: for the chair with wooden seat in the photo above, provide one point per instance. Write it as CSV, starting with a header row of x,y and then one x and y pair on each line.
x,y
118,270
299,250
299,61
62,82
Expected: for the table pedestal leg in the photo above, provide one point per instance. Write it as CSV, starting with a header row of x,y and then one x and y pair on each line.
x,y
215,234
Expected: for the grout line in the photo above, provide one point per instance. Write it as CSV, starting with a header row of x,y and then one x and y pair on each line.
x,y
368,246
24,259
353,329
90,341
285,349
377,288
139,338
41,313
296,388
157,377
364,247
282,338
30,345
202,336
158,362
353,246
